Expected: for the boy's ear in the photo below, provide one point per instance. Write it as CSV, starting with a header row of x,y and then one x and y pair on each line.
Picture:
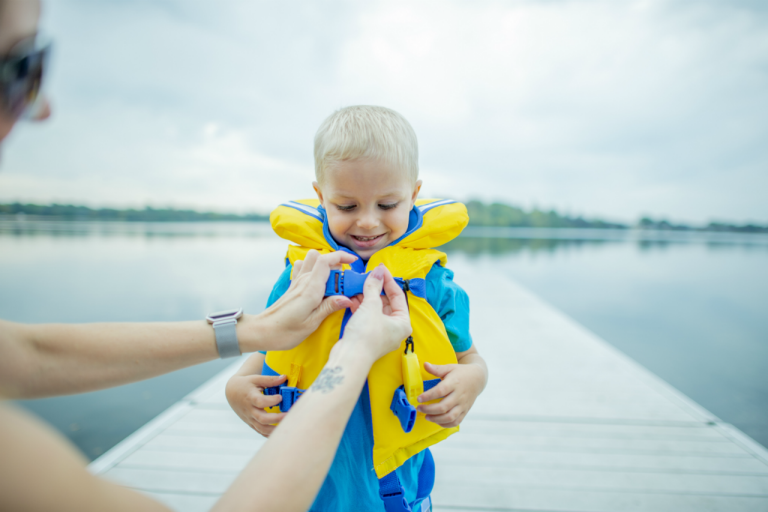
x,y
416,190
318,191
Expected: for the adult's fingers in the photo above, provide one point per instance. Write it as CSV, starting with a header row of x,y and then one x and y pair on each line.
x,y
374,283
297,266
322,265
309,261
330,305
397,301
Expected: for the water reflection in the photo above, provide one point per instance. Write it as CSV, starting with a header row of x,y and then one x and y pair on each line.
x,y
688,306
472,246
550,241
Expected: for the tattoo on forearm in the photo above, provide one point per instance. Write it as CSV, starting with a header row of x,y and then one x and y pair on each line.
x,y
328,379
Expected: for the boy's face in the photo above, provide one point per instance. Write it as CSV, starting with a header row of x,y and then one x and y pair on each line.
x,y
367,203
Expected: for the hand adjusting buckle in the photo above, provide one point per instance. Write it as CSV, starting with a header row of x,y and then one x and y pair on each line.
x,y
350,283
345,282
290,395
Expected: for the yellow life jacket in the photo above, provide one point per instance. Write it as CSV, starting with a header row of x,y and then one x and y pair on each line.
x,y
432,223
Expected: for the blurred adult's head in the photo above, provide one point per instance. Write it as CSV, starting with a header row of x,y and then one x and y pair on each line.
x,y
19,59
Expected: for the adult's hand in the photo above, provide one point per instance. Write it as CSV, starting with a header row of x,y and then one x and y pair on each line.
x,y
380,323
301,309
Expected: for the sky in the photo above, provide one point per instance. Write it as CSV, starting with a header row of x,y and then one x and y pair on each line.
x,y
597,108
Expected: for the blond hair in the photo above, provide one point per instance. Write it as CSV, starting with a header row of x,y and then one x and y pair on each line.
x,y
365,131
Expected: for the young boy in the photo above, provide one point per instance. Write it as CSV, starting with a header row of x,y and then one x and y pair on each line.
x,y
366,165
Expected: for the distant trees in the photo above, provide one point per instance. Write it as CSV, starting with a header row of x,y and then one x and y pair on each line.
x,y
480,214
663,224
148,214
504,215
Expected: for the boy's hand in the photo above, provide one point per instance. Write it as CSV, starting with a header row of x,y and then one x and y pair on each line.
x,y
244,394
461,385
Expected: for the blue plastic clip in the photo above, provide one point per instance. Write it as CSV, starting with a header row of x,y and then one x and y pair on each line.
x,y
274,390
392,494
345,282
290,395
404,411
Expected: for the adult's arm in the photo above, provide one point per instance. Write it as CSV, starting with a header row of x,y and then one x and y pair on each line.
x,y
285,475
55,359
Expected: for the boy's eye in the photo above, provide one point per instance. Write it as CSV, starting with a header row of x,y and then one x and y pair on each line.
x,y
388,206
345,208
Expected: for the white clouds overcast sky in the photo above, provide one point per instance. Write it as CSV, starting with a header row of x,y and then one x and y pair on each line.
x,y
602,108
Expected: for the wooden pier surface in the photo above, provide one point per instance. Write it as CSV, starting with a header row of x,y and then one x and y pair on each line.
x,y
567,423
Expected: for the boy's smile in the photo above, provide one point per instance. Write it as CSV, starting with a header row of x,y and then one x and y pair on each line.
x,y
367,202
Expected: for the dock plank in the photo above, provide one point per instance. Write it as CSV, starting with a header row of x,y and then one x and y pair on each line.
x,y
567,423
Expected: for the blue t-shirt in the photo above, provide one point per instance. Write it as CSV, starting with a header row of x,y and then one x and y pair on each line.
x,y
351,483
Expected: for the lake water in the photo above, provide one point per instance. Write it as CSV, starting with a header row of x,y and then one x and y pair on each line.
x,y
689,307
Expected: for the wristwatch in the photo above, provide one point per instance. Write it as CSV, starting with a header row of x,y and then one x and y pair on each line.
x,y
225,327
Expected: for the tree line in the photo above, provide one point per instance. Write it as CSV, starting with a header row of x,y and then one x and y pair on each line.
x,y
480,214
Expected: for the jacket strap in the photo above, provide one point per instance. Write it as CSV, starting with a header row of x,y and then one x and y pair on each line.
x,y
350,283
392,492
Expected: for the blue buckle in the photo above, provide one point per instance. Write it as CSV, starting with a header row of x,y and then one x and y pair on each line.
x,y
350,283
290,395
395,502
345,282
404,411
392,494
274,390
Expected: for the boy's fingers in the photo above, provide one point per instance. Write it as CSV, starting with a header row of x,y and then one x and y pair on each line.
x,y
449,419
267,418
264,430
442,407
439,391
267,381
439,370
263,401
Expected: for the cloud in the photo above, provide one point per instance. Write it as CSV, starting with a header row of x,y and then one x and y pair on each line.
x,y
605,108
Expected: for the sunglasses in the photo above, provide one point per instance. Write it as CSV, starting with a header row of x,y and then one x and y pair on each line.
x,y
21,76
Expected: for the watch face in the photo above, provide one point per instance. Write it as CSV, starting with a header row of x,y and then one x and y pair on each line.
x,y
228,313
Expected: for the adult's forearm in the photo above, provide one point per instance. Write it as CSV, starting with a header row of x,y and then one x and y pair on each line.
x,y
55,359
58,359
288,471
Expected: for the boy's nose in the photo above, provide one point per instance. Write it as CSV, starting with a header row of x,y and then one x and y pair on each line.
x,y
368,220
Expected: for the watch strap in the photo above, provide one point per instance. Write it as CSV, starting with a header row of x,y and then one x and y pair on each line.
x,y
226,338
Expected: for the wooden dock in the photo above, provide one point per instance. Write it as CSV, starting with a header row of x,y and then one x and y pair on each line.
x,y
567,423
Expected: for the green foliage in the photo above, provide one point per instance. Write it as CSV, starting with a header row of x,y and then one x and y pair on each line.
x,y
480,214
504,215
665,225
70,212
